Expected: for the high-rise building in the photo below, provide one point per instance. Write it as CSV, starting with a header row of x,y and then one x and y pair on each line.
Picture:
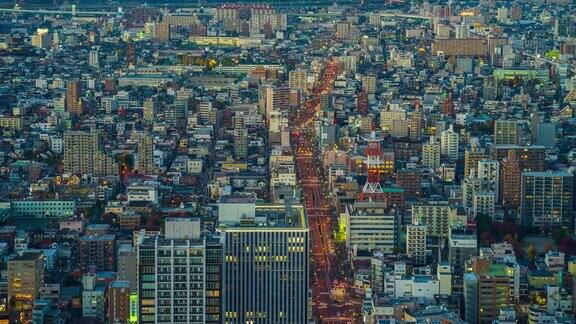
x,y
150,110
172,274
146,163
436,215
93,58
93,297
547,199
297,79
82,154
205,112
370,226
416,121
369,84
506,132
472,156
487,289
97,251
25,277
240,136
489,171
162,29
416,243
449,144
462,245
74,102
530,158
535,119
431,152
266,251
119,302
510,181
126,265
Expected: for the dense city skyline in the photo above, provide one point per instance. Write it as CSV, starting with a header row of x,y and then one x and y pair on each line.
x,y
302,161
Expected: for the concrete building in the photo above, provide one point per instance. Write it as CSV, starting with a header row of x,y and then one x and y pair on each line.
x,y
449,142
97,251
437,216
506,132
269,252
83,155
119,302
25,277
547,199
416,242
146,163
370,226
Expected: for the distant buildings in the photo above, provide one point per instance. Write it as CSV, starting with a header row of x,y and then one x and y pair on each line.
x,y
83,155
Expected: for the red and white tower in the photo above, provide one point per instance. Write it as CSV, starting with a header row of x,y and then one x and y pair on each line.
x,y
374,166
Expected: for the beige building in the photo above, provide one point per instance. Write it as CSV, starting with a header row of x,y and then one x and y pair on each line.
x,y
25,277
82,154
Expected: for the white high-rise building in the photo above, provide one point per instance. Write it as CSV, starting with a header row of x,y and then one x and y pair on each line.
x,y
370,227
449,144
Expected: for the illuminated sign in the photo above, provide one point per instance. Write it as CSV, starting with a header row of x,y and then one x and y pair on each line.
x,y
134,308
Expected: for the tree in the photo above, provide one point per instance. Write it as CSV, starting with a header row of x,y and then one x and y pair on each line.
x,y
559,234
531,251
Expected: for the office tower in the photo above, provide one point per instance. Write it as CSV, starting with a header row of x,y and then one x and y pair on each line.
x,y
510,181
171,274
431,154
449,144
472,156
416,121
487,289
97,251
297,79
489,171
74,102
546,199
214,259
240,137
416,243
369,84
150,110
436,215
506,132
266,251
126,265
119,302
146,163
370,226
82,155
93,297
93,59
25,277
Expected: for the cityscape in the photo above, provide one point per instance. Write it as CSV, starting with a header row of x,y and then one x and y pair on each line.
x,y
296,161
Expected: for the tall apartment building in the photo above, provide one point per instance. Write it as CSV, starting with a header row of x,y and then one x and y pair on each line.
x,y
265,250
487,289
449,141
437,216
416,124
240,136
146,163
370,226
431,153
25,277
97,251
150,110
369,83
547,199
530,158
298,79
506,132
489,171
462,245
119,302
205,113
510,181
172,274
74,102
274,99
82,154
416,242
472,156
